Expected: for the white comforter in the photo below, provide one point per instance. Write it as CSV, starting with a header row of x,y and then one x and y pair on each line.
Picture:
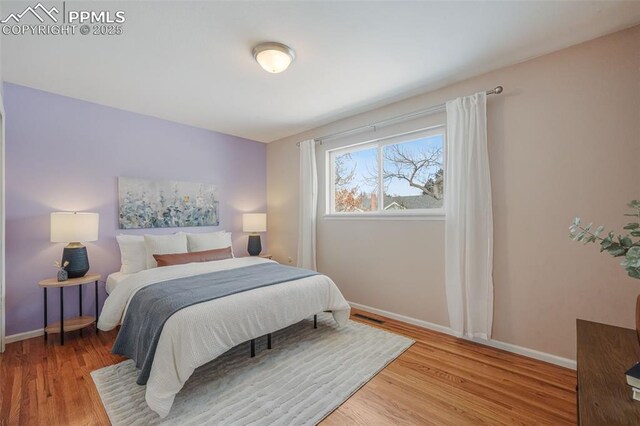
x,y
200,333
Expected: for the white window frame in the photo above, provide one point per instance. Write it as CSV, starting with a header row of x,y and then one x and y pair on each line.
x,y
380,143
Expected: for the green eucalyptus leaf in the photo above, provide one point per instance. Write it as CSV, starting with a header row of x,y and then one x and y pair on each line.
x,y
632,226
598,230
633,272
612,246
617,251
625,241
632,258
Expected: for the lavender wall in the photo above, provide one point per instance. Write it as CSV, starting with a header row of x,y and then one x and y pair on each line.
x,y
66,154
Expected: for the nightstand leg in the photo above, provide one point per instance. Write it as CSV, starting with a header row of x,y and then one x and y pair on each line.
x,y
61,317
80,300
45,314
96,306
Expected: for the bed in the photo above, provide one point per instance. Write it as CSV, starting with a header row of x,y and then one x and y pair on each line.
x,y
113,280
199,333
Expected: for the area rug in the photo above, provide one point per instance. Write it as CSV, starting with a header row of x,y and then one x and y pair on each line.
x,y
308,374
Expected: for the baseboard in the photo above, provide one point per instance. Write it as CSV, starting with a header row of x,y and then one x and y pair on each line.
x,y
408,320
509,347
531,353
23,336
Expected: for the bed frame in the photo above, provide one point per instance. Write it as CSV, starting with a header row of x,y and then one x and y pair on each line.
x,y
253,341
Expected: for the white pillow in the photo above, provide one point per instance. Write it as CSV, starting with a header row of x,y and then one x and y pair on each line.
x,y
133,253
209,241
164,244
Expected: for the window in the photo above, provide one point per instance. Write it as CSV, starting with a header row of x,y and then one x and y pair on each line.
x,y
393,176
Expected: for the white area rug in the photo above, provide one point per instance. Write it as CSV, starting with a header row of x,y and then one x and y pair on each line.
x,y
308,374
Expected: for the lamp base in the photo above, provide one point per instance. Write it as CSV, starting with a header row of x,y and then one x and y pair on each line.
x,y
76,255
255,246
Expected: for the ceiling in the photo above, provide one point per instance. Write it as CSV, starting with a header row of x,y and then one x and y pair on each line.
x,y
191,62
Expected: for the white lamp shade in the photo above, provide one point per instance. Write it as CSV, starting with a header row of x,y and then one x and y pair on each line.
x,y
254,222
74,227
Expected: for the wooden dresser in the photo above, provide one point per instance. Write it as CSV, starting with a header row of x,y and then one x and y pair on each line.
x,y
605,352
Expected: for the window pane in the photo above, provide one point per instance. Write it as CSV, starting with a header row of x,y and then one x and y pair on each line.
x,y
413,174
356,180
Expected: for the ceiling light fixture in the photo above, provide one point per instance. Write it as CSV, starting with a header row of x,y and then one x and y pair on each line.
x,y
273,57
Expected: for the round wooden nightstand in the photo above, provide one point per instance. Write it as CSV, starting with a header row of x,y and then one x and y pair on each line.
x,y
70,324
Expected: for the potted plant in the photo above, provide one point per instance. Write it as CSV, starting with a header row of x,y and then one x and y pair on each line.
x,y
623,245
627,245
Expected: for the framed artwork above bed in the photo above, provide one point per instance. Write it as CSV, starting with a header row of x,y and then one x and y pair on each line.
x,y
147,203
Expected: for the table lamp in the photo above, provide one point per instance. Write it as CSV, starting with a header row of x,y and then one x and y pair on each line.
x,y
254,223
74,228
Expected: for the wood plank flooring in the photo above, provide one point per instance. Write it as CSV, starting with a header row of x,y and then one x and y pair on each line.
x,y
440,380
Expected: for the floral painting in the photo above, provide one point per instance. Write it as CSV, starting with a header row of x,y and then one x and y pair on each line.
x,y
166,204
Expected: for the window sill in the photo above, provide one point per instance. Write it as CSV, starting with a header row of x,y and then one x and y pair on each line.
x,y
440,215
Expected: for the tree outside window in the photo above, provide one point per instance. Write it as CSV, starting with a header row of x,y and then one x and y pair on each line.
x,y
412,177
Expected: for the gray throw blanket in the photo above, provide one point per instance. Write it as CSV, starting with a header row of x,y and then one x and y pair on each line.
x,y
152,306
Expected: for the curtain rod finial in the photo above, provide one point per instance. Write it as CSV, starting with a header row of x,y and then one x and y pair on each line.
x,y
498,90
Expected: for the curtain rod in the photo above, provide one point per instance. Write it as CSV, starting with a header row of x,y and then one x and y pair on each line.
x,y
402,117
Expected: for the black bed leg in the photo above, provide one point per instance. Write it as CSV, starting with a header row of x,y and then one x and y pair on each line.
x,y
253,348
269,341
315,321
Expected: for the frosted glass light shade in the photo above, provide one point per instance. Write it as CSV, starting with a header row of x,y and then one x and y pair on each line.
x,y
74,227
273,57
254,222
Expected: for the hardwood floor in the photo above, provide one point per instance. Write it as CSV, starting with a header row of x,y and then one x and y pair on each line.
x,y
45,383
444,380
439,380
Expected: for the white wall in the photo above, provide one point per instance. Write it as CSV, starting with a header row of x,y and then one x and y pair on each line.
x,y
564,139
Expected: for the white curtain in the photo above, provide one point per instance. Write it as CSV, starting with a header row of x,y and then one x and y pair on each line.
x,y
469,218
308,205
